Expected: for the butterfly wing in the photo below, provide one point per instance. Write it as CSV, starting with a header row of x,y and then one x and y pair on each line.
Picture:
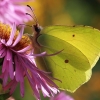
x,y
86,39
69,66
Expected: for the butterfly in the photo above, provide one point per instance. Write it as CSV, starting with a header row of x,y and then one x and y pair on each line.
x,y
80,50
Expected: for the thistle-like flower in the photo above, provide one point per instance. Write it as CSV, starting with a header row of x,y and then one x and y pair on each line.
x,y
62,96
11,11
18,62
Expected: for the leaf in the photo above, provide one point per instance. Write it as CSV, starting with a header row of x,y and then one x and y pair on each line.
x,y
4,96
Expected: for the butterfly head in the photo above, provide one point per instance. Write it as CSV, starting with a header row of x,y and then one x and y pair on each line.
x,y
37,28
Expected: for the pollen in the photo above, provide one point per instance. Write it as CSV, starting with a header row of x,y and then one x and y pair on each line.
x,y
24,42
5,31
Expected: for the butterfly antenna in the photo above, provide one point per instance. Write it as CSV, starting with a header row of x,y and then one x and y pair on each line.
x,y
31,17
33,14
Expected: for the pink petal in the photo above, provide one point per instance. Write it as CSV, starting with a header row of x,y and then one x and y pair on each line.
x,y
18,37
9,42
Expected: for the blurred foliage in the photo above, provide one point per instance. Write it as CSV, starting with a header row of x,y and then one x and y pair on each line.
x,y
4,96
90,90
68,12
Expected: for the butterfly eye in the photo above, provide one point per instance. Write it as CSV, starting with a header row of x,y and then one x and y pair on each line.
x,y
37,28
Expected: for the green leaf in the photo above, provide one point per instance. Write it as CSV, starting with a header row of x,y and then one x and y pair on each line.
x,y
4,96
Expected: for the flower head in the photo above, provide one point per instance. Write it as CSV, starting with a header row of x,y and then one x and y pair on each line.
x,y
62,96
11,11
16,50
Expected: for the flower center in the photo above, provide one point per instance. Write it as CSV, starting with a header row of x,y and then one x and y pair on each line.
x,y
5,31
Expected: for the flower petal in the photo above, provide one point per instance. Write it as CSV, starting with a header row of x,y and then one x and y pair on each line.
x,y
9,42
18,37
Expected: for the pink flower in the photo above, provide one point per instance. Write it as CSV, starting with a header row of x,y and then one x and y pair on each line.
x,y
62,96
11,11
18,62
